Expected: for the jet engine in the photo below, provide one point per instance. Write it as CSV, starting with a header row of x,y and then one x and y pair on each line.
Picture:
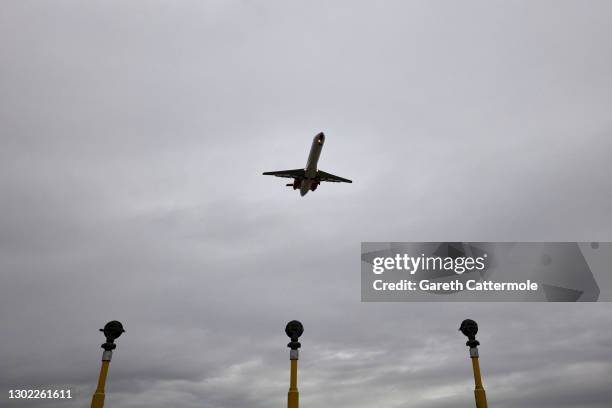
x,y
314,185
296,183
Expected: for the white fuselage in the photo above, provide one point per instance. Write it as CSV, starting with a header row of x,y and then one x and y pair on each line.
x,y
311,164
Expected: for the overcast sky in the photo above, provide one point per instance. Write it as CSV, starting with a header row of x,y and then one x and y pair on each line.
x,y
133,138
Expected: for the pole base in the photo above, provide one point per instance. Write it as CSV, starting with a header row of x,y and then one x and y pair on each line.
x,y
293,399
481,398
97,401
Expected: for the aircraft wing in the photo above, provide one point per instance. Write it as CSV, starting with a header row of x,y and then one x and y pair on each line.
x,y
323,176
297,173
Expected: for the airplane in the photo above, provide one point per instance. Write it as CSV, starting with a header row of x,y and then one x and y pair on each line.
x,y
309,178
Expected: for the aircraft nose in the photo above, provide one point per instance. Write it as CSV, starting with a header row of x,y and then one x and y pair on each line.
x,y
320,138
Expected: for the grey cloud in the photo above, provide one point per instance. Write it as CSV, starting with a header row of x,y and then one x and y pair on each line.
x,y
133,140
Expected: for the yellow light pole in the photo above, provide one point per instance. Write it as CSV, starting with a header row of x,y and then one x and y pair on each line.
x,y
111,330
469,328
294,330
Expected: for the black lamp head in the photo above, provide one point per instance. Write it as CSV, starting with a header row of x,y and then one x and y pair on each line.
x,y
294,330
112,330
469,328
